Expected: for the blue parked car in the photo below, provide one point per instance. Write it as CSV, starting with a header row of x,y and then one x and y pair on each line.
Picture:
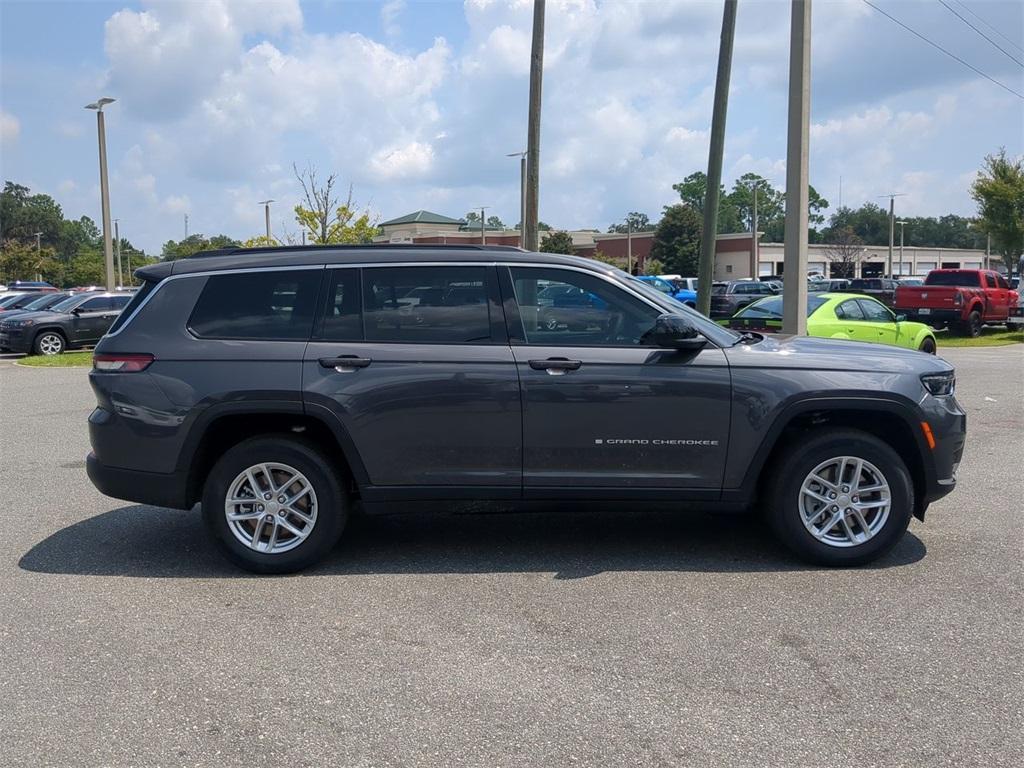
x,y
683,296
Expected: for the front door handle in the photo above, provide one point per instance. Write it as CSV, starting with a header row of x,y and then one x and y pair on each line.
x,y
345,363
555,366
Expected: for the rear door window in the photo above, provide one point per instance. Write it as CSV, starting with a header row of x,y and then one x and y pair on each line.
x,y
343,319
849,310
270,305
426,305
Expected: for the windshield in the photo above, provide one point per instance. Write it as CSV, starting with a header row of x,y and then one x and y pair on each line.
x,y
710,329
772,307
68,303
964,278
6,301
658,283
45,301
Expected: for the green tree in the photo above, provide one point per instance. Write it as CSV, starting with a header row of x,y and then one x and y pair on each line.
x,y
999,192
23,215
22,261
325,217
556,242
693,191
193,244
638,222
677,239
76,235
495,222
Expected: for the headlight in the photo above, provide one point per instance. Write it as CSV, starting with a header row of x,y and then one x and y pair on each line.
x,y
939,384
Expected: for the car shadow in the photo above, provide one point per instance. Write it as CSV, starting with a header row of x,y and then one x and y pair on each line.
x,y
571,543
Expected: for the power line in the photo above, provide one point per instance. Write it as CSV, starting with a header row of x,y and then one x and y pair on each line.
x,y
1010,56
953,56
994,29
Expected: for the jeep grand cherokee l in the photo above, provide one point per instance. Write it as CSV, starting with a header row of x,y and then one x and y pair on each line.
x,y
278,387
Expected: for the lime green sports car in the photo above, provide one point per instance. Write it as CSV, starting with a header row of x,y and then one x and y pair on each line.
x,y
839,316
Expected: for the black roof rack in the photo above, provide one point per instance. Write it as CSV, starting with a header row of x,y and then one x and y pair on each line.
x,y
241,251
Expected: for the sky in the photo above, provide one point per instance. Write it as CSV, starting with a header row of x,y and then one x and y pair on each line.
x,y
416,105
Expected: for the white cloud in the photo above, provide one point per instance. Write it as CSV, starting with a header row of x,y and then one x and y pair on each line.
x,y
414,160
223,96
178,204
389,13
9,127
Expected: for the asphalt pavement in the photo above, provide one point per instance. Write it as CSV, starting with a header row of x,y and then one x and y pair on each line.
x,y
592,637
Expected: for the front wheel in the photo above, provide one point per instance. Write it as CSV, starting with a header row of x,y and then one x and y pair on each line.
x,y
49,343
927,345
274,504
840,498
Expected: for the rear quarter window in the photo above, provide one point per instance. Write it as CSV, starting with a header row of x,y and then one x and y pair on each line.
x,y
271,305
133,304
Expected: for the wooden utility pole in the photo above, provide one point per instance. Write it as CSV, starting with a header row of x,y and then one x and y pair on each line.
x,y
530,235
706,270
794,298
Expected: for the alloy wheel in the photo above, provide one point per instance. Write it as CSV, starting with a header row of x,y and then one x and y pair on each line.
x,y
845,501
271,508
51,344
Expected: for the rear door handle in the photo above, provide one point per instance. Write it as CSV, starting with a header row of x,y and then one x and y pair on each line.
x,y
345,363
555,366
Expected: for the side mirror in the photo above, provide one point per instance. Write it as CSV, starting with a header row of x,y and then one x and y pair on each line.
x,y
675,332
774,288
901,318
77,311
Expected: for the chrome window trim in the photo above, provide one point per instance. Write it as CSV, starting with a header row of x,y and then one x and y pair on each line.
x,y
369,265
211,273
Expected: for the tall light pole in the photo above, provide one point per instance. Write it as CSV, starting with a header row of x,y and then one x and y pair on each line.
x,y
892,226
108,251
531,240
39,242
794,299
706,266
755,254
266,215
902,224
483,232
117,250
522,195
629,245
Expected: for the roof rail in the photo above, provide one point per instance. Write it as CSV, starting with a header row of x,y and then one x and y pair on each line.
x,y
239,250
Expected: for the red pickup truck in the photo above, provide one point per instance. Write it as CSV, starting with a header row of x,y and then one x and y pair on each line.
x,y
962,299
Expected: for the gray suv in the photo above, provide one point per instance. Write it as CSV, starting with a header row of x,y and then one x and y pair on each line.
x,y
283,387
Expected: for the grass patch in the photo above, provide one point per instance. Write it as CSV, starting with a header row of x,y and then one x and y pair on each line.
x,y
990,337
67,360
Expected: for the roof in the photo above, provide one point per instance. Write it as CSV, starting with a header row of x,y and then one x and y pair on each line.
x,y
295,256
422,217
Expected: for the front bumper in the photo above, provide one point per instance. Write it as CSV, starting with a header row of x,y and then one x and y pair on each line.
x,y
948,424
160,490
15,340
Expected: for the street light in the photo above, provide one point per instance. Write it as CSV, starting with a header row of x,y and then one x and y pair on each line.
x,y
39,241
108,251
522,195
902,224
266,213
117,250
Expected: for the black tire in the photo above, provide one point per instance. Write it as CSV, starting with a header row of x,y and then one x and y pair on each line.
x,y
971,327
332,502
796,463
49,343
928,346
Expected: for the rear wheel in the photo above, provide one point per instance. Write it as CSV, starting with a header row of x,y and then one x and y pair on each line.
x,y
972,325
928,345
840,498
274,504
49,343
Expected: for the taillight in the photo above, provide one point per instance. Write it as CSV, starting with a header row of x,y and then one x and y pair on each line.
x,y
958,299
121,363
